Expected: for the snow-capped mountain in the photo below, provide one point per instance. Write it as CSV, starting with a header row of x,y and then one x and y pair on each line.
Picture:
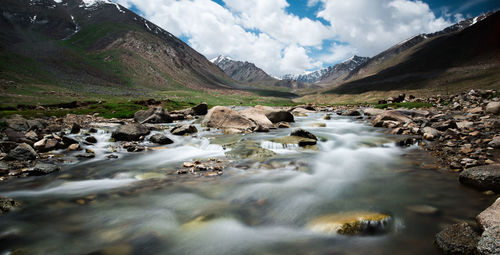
x,y
330,73
241,71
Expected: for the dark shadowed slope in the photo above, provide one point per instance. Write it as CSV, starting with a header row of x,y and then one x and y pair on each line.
x,y
453,59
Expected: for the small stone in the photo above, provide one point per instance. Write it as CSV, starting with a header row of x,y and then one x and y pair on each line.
x,y
160,139
74,147
85,155
31,135
183,130
493,107
7,204
283,125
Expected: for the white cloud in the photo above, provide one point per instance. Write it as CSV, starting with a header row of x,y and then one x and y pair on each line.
x,y
262,32
371,26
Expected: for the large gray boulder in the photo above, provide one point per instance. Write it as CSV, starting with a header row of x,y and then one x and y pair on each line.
x,y
130,132
276,115
393,115
200,109
152,115
458,239
224,117
258,117
303,133
485,177
160,139
43,169
22,152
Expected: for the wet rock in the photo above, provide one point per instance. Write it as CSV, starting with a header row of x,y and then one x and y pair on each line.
x,y
91,139
299,111
490,217
111,156
160,139
92,130
7,204
74,147
68,141
303,133
489,243
277,116
458,239
133,147
350,223
85,155
485,177
46,144
353,112
493,108
7,146
152,115
224,117
260,128
43,169
22,152
283,125
130,132
424,209
430,133
327,117
75,128
318,125
54,128
184,130
232,131
200,109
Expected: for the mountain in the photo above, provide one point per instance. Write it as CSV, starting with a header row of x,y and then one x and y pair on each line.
x,y
94,47
241,71
465,55
329,74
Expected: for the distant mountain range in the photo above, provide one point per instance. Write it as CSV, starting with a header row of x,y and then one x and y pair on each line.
x,y
241,71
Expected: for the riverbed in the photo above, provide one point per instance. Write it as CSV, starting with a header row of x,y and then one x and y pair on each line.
x,y
138,204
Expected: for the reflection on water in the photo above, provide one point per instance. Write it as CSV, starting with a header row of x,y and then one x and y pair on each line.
x,y
137,204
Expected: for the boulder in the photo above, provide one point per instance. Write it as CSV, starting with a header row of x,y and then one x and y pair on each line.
x,y
226,118
183,130
493,108
130,132
280,116
430,133
486,177
495,142
299,111
458,239
373,111
160,139
490,217
257,116
303,133
152,115
352,112
43,169
22,152
75,128
7,204
392,115
350,223
17,122
200,109
489,243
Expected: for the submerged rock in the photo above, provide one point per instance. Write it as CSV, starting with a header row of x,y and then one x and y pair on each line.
x,y
458,239
485,177
297,140
248,150
7,204
22,152
130,132
350,223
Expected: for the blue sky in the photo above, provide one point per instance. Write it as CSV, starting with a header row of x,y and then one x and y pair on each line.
x,y
294,36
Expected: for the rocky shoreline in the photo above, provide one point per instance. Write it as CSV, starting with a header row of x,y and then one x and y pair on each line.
x,y
462,131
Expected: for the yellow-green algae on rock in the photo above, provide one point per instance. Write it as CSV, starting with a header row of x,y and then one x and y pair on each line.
x,y
350,223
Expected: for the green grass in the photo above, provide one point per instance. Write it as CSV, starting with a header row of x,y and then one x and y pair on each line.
x,y
409,105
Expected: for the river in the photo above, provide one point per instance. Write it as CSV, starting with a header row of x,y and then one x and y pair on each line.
x,y
138,204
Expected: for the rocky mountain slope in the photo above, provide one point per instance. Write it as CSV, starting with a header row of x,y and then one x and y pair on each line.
x,y
241,71
96,47
427,56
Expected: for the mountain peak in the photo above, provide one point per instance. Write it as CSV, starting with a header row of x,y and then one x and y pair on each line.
x,y
220,58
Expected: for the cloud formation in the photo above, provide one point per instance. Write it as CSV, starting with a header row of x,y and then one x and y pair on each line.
x,y
263,32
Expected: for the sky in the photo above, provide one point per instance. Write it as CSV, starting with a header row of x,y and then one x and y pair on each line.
x,y
296,36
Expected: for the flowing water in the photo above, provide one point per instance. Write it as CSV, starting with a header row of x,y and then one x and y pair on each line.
x,y
137,204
